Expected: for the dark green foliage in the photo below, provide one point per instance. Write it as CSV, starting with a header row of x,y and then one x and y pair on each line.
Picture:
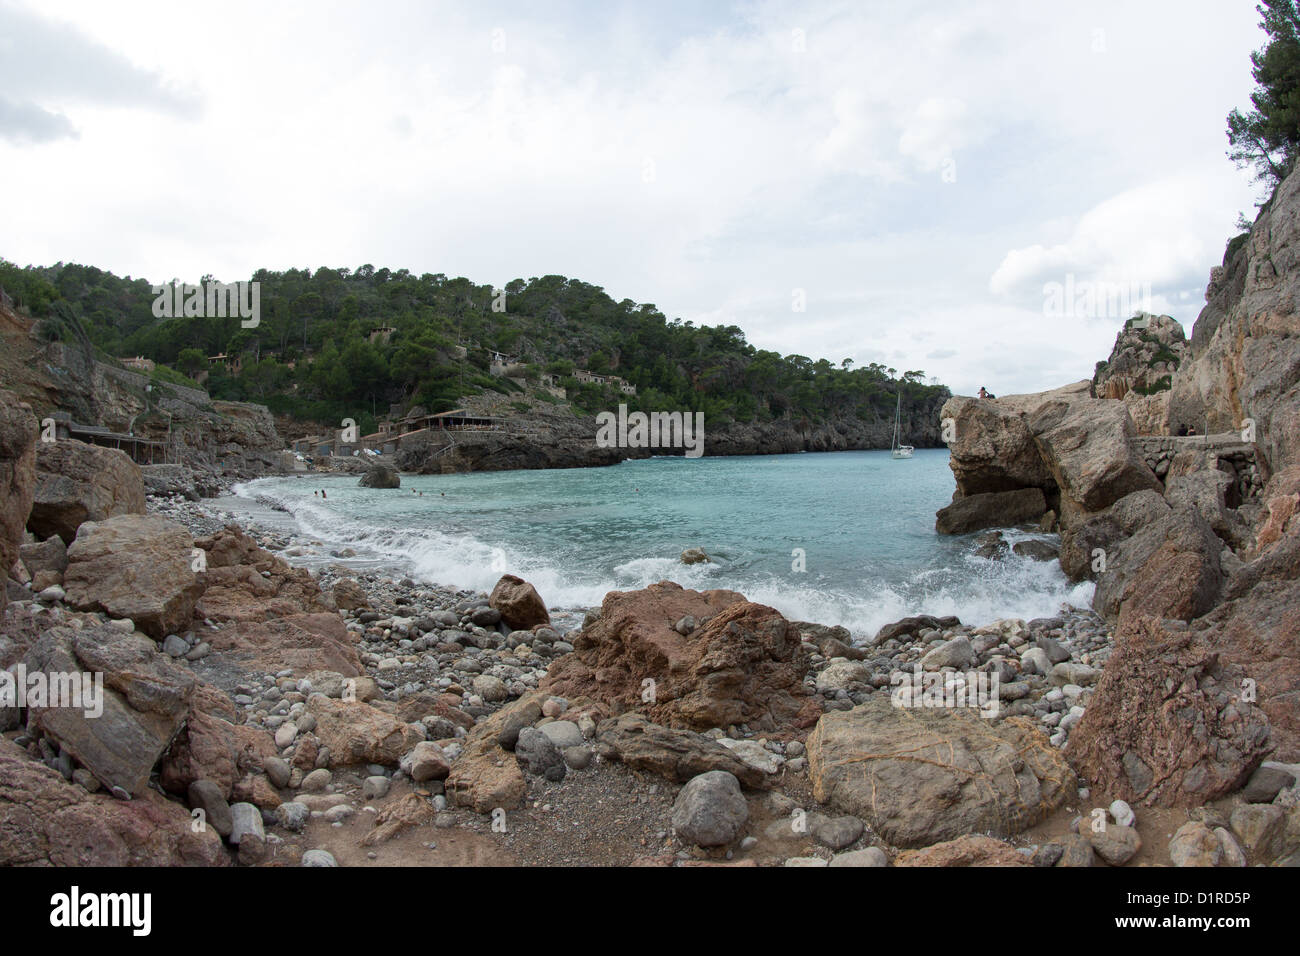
x,y
319,353
1162,384
1268,136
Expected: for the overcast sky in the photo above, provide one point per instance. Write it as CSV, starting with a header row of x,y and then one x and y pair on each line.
x,y
919,173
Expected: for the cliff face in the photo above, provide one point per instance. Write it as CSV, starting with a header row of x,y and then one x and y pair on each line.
x,y
1245,347
562,441
1147,353
219,437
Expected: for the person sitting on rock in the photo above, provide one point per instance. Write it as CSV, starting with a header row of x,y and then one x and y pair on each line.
x,y
984,392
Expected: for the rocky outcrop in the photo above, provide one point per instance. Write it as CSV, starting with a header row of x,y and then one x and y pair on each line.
x,y
44,820
521,607
1245,355
357,733
1147,352
76,482
1077,450
743,664
381,476
134,566
1168,725
992,445
920,776
1087,445
1167,568
144,701
270,615
677,755
990,510
17,477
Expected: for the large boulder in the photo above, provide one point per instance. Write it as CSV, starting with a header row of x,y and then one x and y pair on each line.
x,y
46,821
76,482
487,776
992,447
1087,444
521,607
678,755
17,478
744,665
357,733
1169,568
142,703
1257,629
1079,544
710,810
134,566
920,776
1167,724
994,509
270,616
381,476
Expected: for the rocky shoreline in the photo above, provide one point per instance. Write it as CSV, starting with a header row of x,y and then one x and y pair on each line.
x,y
174,690
347,717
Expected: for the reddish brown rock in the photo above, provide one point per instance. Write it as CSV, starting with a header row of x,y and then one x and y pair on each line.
x,y
349,595
410,811
303,642
134,566
486,776
357,733
213,748
744,664
257,790
17,478
76,482
1257,629
920,776
45,820
270,623
1169,568
1167,725
521,607
970,850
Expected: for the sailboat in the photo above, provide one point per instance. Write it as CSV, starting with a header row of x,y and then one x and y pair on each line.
x,y
900,451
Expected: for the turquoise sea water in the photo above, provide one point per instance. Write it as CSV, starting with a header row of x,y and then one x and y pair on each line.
x,y
864,523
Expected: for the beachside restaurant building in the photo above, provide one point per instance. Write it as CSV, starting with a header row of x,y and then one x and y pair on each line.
x,y
393,434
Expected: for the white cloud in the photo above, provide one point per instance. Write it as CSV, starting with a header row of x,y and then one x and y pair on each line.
x,y
395,134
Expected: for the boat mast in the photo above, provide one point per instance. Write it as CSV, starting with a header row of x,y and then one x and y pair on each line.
x,y
898,411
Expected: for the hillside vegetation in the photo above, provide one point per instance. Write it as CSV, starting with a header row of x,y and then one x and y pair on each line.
x,y
313,355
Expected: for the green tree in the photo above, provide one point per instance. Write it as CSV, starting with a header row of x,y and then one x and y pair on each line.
x,y
1268,137
191,361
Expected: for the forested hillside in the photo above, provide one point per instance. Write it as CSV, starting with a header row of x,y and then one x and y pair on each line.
x,y
313,356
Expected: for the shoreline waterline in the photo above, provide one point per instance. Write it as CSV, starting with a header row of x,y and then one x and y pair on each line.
x,y
861,526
